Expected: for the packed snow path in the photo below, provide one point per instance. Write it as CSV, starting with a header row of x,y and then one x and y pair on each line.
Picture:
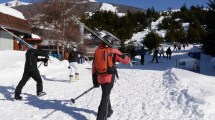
x,y
142,92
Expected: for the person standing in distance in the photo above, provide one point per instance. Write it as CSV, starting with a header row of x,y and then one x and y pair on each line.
x,y
168,53
31,70
73,65
155,55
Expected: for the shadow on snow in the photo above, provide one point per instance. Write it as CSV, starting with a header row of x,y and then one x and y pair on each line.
x,y
56,105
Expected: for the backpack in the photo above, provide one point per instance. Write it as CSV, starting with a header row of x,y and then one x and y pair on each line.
x,y
104,61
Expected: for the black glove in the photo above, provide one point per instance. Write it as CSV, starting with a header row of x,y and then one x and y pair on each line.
x,y
45,61
95,81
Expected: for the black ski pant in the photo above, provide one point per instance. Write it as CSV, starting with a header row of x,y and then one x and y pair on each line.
x,y
155,57
142,59
35,74
161,55
105,105
168,56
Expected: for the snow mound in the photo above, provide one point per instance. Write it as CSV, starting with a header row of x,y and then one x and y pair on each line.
x,y
192,94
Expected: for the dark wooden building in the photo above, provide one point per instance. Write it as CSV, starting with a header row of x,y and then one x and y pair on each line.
x,y
18,26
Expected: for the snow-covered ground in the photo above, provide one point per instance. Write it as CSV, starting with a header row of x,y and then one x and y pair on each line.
x,y
153,91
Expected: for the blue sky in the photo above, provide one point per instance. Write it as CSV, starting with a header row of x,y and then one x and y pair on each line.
x,y
157,4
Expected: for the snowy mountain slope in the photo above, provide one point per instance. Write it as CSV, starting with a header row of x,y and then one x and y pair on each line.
x,y
14,3
108,7
154,91
141,35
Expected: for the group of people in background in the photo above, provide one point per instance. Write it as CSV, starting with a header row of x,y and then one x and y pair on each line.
x,y
177,46
160,51
156,53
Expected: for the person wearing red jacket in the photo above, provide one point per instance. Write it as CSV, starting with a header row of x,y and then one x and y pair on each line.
x,y
106,81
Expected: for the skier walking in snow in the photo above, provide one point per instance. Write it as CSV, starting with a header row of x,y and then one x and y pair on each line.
x,y
73,65
31,70
132,54
155,55
142,55
106,79
161,52
168,53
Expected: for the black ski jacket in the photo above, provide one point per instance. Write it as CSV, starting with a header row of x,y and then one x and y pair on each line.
x,y
32,58
73,56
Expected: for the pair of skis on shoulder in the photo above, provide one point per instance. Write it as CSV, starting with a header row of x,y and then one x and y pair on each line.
x,y
97,35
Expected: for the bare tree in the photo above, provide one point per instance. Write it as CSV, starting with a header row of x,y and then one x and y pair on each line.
x,y
55,19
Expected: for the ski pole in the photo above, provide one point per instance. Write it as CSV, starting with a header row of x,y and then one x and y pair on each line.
x,y
18,38
85,92
40,64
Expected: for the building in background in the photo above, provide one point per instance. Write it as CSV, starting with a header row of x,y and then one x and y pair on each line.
x,y
14,22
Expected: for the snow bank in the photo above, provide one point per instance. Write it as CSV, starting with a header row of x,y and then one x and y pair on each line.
x,y
12,59
193,93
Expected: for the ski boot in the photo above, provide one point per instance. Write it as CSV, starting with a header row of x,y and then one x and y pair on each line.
x,y
39,94
110,113
71,78
17,96
76,76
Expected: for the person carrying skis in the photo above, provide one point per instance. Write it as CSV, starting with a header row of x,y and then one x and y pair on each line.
x,y
104,75
73,65
31,70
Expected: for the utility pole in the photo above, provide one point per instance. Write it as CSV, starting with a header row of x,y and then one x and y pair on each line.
x,y
64,26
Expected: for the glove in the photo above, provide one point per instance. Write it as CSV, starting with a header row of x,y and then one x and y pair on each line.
x,y
95,82
45,61
47,56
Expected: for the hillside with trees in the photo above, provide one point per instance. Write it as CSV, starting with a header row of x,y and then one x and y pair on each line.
x,y
56,16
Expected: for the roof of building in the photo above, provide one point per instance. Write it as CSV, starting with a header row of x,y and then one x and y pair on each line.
x,y
14,23
12,12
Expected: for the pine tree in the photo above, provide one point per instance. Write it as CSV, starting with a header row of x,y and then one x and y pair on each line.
x,y
152,40
209,41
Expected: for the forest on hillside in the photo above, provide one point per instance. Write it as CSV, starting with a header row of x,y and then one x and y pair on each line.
x,y
55,16
201,24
